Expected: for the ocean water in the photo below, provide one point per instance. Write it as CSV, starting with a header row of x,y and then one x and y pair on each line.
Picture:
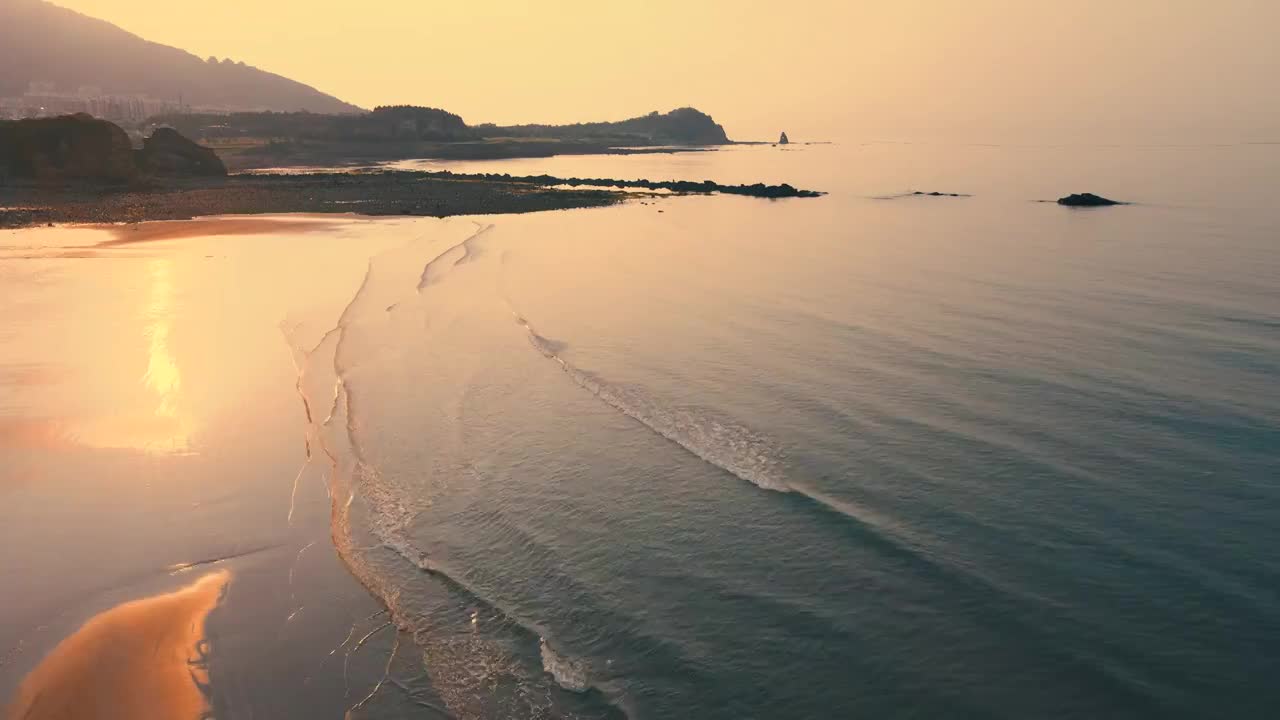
x,y
865,455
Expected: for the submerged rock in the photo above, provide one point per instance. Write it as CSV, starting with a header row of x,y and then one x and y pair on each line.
x,y
70,147
167,152
1087,200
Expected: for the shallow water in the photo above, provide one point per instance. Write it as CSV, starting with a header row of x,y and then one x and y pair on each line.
x,y
860,455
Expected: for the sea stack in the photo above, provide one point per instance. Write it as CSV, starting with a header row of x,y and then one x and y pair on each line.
x,y
783,140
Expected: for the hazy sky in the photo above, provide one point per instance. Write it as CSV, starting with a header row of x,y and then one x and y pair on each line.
x,y
818,69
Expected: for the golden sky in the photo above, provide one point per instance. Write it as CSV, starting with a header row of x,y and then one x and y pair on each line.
x,y
834,69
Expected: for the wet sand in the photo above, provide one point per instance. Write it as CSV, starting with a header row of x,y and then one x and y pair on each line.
x,y
151,436
215,227
142,659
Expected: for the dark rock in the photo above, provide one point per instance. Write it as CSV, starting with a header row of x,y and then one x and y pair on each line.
x,y
1087,200
167,152
783,140
70,147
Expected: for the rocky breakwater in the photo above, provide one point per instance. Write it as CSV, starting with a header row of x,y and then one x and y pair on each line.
x,y
683,187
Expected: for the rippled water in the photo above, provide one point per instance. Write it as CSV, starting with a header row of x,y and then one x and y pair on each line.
x,y
863,455
724,457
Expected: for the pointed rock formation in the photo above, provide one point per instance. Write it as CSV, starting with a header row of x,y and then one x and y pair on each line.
x,y
783,140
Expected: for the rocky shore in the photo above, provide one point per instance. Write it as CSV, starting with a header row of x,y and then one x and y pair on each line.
x,y
366,194
437,194
79,169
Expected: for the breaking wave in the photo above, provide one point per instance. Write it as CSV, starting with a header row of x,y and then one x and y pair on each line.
x,y
472,666
569,674
729,446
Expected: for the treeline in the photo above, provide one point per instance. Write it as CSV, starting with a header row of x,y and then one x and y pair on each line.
x,y
684,126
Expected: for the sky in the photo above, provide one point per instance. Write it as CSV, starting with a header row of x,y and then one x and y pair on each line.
x,y
818,69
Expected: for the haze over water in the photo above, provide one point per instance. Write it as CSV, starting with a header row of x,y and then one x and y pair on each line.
x,y
867,455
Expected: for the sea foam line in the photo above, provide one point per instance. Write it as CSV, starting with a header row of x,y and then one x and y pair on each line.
x,y
729,446
351,473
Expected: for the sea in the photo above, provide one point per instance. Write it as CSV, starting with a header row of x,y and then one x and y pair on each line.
x,y
875,454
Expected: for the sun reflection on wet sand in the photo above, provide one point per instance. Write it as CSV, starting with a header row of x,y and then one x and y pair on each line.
x,y
162,376
166,429
143,659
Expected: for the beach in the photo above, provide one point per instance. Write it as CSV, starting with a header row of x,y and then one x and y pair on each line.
x,y
879,453
154,453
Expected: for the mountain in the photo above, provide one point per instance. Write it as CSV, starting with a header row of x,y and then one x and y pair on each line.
x,y
683,126
43,43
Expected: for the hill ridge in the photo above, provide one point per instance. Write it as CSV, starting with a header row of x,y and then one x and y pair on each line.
x,y
61,51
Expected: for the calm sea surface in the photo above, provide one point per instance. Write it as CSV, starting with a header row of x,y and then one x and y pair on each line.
x,y
866,455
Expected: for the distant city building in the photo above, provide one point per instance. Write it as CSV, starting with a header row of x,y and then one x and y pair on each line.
x,y
43,99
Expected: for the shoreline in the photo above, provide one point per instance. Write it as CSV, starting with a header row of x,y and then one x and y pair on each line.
x,y
373,193
204,508
405,194
351,154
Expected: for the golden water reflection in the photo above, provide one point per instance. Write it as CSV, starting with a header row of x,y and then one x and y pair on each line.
x,y
162,377
143,348
163,428
142,659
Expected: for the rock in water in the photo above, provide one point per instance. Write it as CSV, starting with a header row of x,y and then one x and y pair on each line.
x,y
70,147
783,140
1087,200
167,152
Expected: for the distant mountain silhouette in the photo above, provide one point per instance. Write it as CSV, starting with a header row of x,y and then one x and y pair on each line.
x,y
41,42
682,126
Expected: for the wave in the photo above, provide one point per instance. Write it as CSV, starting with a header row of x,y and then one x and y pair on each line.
x,y
725,444
732,447
569,674
371,519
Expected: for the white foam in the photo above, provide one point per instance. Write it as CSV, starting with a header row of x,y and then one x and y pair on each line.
x,y
569,674
727,445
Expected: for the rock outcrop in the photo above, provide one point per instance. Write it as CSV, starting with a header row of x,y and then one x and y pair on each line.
x,y
81,148
1087,200
167,152
783,140
70,147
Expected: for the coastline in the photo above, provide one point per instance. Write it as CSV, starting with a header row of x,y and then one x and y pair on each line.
x,y
374,193
378,194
